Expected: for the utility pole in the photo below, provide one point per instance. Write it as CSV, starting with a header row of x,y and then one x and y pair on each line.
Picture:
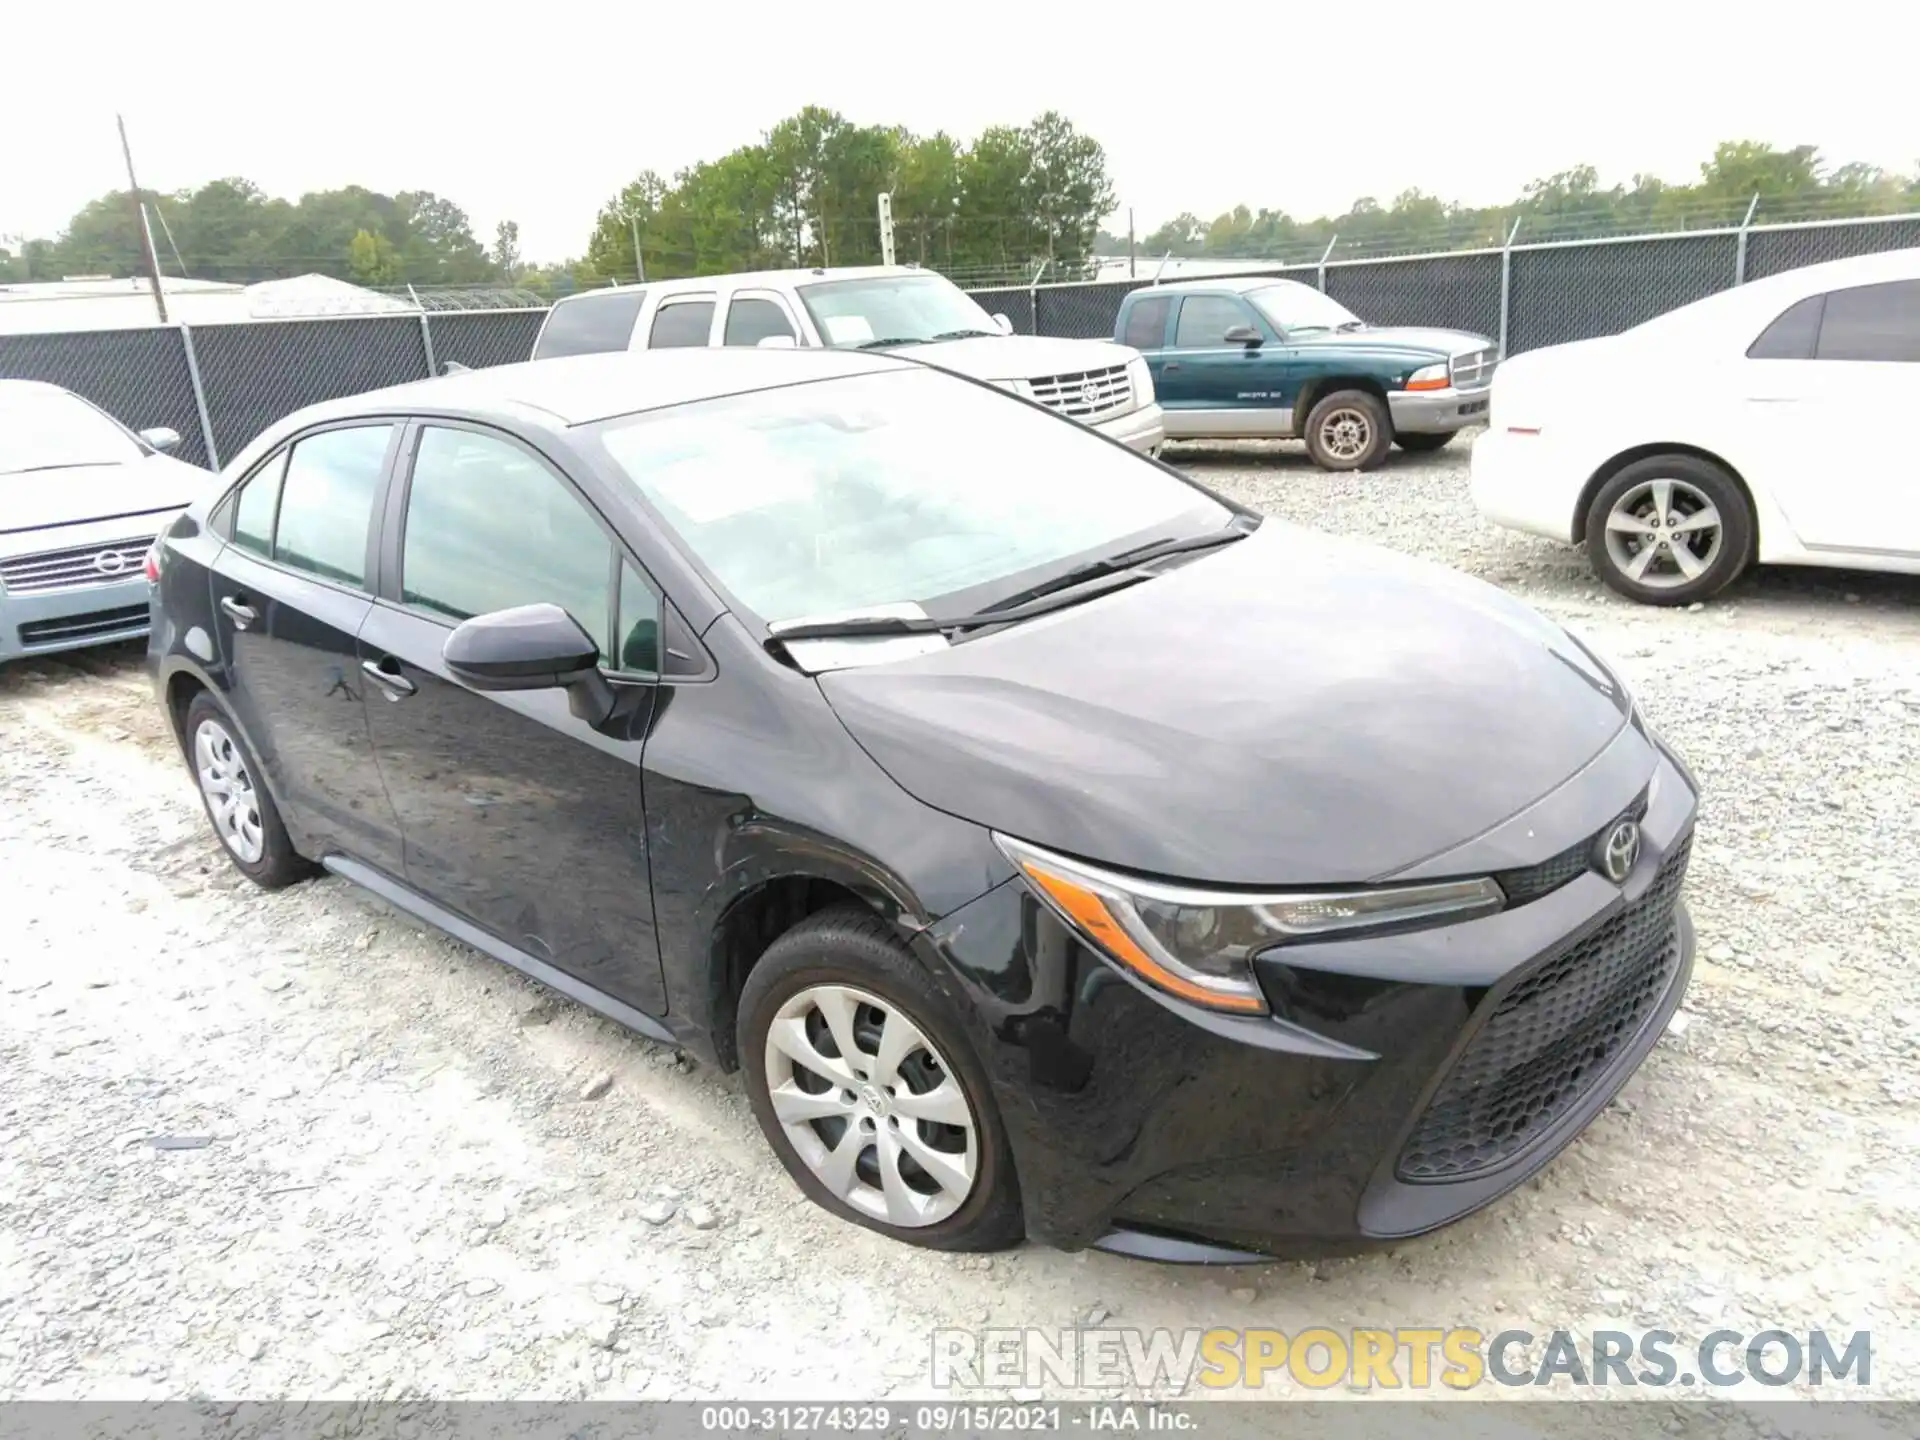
x,y
639,265
886,227
1132,273
140,219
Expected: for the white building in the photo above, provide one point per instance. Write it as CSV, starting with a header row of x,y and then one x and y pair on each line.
x,y
89,303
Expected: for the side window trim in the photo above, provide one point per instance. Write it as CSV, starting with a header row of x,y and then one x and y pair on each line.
x,y
774,297
393,528
710,298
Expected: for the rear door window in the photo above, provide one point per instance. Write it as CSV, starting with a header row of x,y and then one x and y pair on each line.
x,y
681,323
254,507
326,503
590,324
1793,335
1872,322
1147,323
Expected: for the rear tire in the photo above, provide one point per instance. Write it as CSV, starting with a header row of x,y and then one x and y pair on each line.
x,y
1417,443
911,1090
244,817
1349,430
1670,530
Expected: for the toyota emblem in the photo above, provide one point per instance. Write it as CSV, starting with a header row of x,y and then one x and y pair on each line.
x,y
109,562
1620,851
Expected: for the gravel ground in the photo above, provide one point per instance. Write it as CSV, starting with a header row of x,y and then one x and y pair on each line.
x,y
294,1145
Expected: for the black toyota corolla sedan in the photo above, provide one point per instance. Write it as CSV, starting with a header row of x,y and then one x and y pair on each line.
x,y
1059,849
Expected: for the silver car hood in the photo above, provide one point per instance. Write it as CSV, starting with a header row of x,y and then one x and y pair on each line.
x,y
36,500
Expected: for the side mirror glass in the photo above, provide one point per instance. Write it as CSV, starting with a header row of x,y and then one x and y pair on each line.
x,y
1242,335
531,647
160,438
1003,324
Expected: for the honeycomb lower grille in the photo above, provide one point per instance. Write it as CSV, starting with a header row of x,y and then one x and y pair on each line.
x,y
1548,1037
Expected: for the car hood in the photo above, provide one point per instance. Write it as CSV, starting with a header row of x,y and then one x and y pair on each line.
x,y
1018,357
1291,709
1399,339
74,495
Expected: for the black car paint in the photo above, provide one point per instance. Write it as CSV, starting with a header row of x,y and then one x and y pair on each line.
x,y
642,859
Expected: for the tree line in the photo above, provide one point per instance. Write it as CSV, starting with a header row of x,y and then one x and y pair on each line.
x,y
995,208
1775,184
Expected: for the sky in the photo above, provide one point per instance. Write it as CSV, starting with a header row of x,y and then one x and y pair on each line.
x,y
540,113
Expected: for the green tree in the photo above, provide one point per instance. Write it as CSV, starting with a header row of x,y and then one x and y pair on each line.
x,y
372,258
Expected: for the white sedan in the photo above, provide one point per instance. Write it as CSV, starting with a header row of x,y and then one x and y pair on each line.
x,y
1768,424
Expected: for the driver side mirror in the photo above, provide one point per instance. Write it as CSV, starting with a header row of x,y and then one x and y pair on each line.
x,y
1003,324
531,647
160,438
1243,335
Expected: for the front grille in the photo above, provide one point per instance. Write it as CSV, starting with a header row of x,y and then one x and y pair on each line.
x,y
107,563
1533,881
1548,1036
1086,393
1474,370
91,626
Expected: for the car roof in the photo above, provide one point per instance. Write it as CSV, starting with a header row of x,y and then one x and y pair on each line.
x,y
1239,284
580,389
743,279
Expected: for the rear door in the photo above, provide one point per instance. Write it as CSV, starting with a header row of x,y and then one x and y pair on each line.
x,y
1214,386
1823,383
289,594
516,815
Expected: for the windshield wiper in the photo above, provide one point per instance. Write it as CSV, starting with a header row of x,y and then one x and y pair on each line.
x,y
961,334
853,627
1126,560
891,340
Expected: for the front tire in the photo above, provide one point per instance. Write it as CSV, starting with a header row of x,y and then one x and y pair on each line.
x,y
1416,443
244,817
1670,530
1349,430
869,1092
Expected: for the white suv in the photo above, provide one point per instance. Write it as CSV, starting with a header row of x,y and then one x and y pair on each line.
x,y
1102,385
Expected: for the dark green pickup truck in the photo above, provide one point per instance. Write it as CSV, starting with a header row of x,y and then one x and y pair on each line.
x,y
1239,357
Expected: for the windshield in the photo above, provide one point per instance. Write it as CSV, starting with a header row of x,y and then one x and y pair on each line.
x,y
48,429
1293,306
893,309
906,487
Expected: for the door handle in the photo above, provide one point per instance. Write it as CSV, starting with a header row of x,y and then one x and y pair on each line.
x,y
398,687
241,613
1170,365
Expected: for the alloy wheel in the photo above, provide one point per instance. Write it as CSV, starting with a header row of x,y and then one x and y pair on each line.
x,y
1663,534
228,788
1346,433
871,1106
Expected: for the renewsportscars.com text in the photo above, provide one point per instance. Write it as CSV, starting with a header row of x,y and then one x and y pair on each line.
x,y
1410,1358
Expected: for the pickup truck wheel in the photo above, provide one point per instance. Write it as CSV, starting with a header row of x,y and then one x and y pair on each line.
x,y
1349,430
1669,530
1416,443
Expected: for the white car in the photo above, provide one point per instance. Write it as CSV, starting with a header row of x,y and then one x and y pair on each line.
x,y
916,313
1766,424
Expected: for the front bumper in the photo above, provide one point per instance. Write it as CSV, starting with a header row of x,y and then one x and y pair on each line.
x,y
1437,412
45,622
1143,430
1379,1102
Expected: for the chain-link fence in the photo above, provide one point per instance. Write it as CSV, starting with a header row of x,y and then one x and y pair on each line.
x,y
220,385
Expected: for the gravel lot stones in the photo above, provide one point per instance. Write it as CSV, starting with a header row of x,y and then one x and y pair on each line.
x,y
400,1193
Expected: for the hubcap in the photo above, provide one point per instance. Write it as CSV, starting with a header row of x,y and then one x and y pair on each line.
x,y
1663,534
1345,434
229,791
871,1106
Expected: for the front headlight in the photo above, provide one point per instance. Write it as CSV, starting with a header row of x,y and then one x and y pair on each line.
x,y
1200,944
1140,374
1022,388
1431,377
